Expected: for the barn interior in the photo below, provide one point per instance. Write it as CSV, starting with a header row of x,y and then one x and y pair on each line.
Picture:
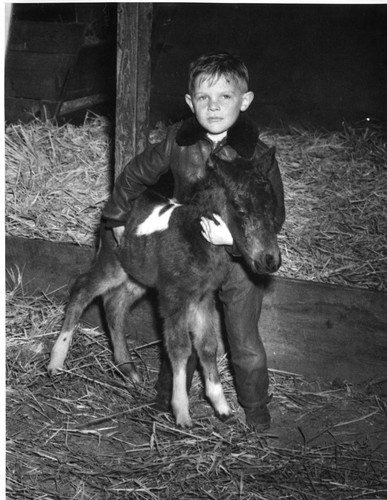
x,y
74,113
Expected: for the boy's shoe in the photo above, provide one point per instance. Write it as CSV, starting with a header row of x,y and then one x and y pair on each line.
x,y
258,418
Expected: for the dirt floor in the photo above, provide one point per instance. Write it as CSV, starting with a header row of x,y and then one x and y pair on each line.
x,y
90,434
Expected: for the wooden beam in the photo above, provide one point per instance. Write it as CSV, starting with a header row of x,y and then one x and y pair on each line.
x,y
134,26
82,103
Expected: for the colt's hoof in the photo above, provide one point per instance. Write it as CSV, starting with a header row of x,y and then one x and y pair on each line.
x,y
53,369
184,422
162,403
130,372
226,418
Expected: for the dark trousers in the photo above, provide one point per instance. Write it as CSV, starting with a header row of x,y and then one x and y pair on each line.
x,y
241,299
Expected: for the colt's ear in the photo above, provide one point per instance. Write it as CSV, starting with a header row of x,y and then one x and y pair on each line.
x,y
264,162
269,155
271,152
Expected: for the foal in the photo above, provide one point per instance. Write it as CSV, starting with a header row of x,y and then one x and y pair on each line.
x,y
163,248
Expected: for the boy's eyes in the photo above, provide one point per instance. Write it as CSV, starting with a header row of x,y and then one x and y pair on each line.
x,y
205,97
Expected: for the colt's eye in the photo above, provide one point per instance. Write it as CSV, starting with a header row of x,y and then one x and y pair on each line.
x,y
241,212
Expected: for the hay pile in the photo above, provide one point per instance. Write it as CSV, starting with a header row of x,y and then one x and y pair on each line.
x,y
89,434
58,179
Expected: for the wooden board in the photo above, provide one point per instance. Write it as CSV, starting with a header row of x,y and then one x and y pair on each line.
x,y
17,108
325,330
133,81
313,329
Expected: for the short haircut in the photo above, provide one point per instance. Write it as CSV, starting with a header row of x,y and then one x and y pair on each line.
x,y
212,66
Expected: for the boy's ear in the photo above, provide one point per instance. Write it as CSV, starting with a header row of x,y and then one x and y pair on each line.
x,y
247,99
188,100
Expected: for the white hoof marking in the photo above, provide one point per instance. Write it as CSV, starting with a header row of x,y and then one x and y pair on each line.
x,y
180,402
216,396
59,352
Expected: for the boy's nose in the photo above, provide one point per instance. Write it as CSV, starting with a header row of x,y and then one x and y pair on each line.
x,y
214,105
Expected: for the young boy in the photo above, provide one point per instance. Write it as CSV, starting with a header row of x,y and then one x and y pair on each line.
x,y
218,93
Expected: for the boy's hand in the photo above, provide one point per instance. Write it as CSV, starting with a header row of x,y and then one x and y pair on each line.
x,y
217,234
117,233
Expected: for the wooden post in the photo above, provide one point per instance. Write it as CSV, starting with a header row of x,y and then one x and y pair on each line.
x,y
134,27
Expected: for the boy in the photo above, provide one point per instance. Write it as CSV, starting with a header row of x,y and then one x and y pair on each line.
x,y
218,93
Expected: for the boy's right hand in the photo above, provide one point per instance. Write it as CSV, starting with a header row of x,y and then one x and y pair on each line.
x,y
117,233
216,231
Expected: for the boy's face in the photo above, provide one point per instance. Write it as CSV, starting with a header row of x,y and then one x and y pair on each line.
x,y
217,105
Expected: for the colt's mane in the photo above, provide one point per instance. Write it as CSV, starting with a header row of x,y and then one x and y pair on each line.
x,y
222,178
207,192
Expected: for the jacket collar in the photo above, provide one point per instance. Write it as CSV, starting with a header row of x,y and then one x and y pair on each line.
x,y
242,136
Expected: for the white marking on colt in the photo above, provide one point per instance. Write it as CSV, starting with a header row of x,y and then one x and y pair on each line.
x,y
59,351
180,404
215,394
156,221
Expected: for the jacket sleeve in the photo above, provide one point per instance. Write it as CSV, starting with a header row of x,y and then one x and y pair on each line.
x,y
142,171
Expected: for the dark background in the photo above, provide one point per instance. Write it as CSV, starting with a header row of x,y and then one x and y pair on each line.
x,y
309,64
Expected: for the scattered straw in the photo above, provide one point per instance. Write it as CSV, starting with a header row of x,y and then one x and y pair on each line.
x,y
90,434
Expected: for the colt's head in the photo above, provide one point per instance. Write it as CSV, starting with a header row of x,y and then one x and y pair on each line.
x,y
250,210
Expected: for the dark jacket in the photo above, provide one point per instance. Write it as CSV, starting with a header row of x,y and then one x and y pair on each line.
x,y
185,151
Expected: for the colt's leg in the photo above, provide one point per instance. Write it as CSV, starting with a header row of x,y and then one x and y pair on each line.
x,y
116,303
178,344
87,287
206,343
165,381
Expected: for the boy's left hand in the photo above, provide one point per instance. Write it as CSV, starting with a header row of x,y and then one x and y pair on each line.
x,y
217,234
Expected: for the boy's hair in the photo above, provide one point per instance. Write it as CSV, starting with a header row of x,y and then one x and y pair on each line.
x,y
212,66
